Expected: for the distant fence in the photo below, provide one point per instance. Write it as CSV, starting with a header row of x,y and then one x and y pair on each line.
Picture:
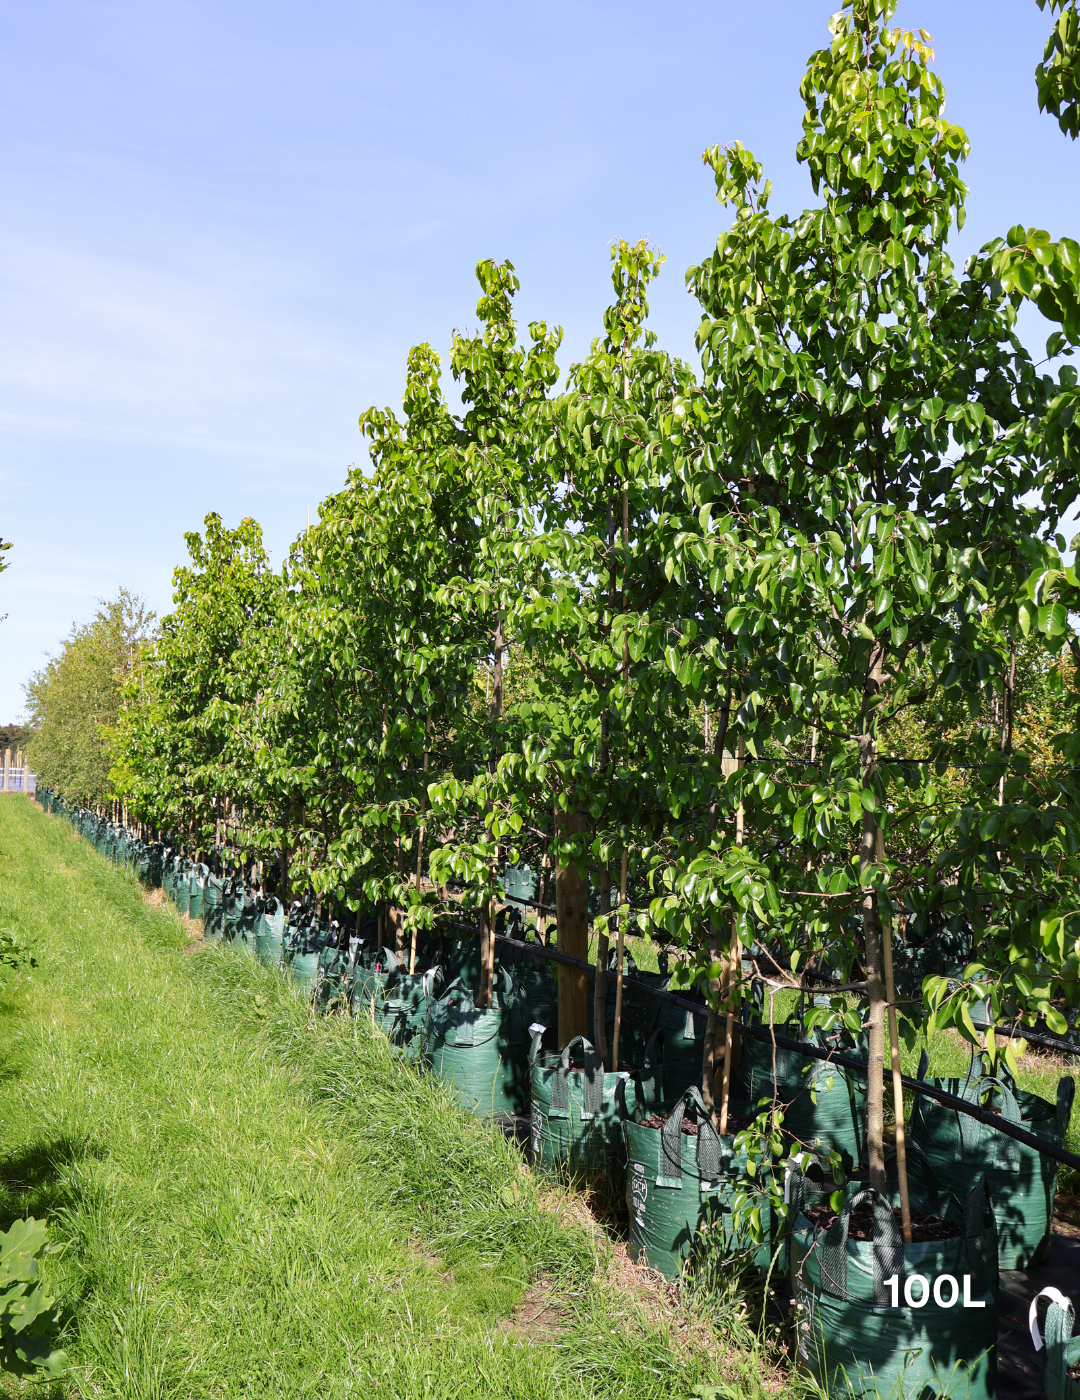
x,y
17,776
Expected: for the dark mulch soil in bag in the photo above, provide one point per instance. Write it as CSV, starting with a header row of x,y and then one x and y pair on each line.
x,y
690,1125
924,1227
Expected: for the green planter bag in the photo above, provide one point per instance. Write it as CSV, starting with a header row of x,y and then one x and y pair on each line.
x,y
684,1044
404,1010
232,911
168,876
182,893
247,915
196,885
574,1118
1021,1179
337,967
824,1105
270,934
521,883
1062,1349
483,1055
303,947
882,1320
213,911
678,1182
396,1002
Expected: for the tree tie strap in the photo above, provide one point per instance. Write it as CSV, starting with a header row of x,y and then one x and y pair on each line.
x,y
1060,1319
669,1170
650,1079
972,1130
593,1098
1066,1092
887,1246
979,1219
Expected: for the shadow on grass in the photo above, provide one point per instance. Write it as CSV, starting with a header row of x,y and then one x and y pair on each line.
x,y
35,1180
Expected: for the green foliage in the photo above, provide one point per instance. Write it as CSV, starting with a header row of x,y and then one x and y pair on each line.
x,y
27,1320
192,741
1058,75
74,701
835,550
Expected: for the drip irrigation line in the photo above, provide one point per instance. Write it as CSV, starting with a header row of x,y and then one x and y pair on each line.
x,y
1046,1042
815,1052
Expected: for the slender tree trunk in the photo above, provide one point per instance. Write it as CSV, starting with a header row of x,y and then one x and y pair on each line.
x,y
420,837
572,906
875,1123
489,910
625,862
600,981
733,968
545,892
1007,717
712,1027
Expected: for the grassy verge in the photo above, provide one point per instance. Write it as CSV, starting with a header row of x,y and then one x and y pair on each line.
x,y
255,1202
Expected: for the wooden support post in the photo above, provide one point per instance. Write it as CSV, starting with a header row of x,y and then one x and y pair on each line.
x,y
894,1047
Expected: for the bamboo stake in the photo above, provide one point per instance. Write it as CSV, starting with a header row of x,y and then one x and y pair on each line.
x,y
897,1082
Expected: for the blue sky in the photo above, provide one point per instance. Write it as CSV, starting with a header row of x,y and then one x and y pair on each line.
x,y
225,223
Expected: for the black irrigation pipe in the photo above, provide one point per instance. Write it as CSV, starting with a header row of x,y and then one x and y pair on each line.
x,y
1047,1042
814,1052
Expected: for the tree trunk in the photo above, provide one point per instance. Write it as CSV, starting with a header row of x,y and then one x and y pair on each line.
x,y
733,969
625,864
600,982
489,911
420,837
708,1062
572,913
545,892
868,846
709,1055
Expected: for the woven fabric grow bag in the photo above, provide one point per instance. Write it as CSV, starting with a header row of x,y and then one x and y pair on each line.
x,y
213,912
396,1002
684,1044
482,1055
521,883
939,1339
232,908
1062,1348
574,1118
196,885
247,915
1021,1179
677,1183
168,876
270,934
303,947
182,889
824,1105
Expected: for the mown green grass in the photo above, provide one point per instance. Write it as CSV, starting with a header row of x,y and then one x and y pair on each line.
x,y
255,1202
